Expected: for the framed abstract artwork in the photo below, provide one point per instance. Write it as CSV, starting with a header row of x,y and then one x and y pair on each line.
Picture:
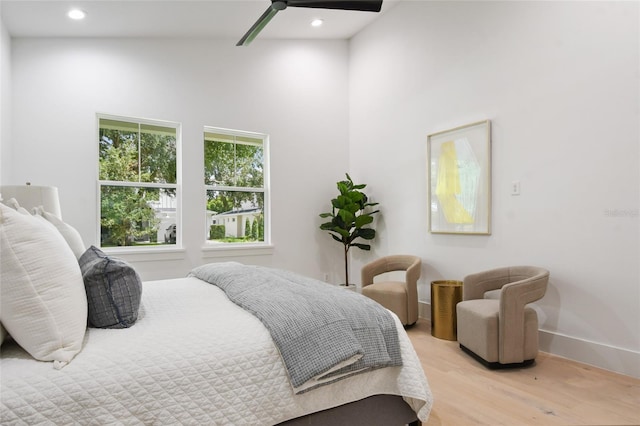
x,y
459,174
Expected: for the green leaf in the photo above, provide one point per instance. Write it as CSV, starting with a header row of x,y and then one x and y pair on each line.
x,y
345,199
356,196
347,216
341,231
366,233
336,238
352,208
341,202
362,220
361,246
337,221
325,215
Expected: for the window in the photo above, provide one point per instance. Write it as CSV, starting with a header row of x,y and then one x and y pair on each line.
x,y
138,182
235,177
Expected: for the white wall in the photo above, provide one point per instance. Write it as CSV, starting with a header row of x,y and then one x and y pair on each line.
x,y
560,83
5,102
294,91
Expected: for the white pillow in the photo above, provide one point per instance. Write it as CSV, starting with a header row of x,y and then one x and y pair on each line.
x,y
70,234
42,299
13,203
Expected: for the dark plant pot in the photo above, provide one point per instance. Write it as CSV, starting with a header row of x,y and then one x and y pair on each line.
x,y
351,287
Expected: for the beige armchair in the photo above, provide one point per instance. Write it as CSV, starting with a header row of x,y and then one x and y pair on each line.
x,y
400,297
495,325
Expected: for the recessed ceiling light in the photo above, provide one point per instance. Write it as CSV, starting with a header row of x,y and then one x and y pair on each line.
x,y
317,22
77,14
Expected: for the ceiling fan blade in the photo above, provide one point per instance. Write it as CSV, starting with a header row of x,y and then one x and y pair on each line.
x,y
258,26
278,5
362,5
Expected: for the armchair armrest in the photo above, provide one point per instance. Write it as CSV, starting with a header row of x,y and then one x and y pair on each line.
x,y
530,285
370,270
413,274
411,264
475,285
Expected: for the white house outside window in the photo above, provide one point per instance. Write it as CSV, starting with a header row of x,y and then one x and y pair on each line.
x,y
139,182
235,178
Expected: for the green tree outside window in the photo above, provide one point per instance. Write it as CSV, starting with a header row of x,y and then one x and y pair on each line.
x,y
135,160
234,178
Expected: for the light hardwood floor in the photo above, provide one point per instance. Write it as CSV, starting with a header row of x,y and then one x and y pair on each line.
x,y
554,391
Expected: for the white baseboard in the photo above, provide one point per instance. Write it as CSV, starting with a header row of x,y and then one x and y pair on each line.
x,y
610,358
623,361
424,310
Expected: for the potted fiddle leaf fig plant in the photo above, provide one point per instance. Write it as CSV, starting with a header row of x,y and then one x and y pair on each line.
x,y
350,214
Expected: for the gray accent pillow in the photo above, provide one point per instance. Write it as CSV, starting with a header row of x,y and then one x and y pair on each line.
x,y
113,287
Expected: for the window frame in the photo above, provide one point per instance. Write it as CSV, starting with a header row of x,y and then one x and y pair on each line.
x,y
167,249
214,249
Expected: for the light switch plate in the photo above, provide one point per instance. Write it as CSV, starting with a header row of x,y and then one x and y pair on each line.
x,y
515,187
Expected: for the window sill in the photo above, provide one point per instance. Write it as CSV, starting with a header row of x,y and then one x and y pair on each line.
x,y
227,250
146,254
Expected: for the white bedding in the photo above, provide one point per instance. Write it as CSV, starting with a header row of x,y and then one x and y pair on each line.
x,y
193,357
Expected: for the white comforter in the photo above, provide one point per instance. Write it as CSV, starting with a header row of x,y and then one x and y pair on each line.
x,y
193,357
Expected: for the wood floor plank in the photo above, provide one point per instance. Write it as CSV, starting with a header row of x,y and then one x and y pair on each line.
x,y
554,391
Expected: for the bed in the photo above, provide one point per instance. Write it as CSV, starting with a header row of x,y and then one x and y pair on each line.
x,y
194,356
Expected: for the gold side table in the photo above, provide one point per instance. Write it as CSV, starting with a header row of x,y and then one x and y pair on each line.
x,y
445,295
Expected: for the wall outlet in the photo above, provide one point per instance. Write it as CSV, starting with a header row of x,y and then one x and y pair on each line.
x,y
325,277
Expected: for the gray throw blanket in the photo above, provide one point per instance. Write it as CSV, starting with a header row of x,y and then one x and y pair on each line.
x,y
324,333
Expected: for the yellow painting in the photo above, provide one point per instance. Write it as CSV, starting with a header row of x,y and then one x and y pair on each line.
x,y
459,175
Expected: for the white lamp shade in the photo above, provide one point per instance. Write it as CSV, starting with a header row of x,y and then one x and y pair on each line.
x,y
30,196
